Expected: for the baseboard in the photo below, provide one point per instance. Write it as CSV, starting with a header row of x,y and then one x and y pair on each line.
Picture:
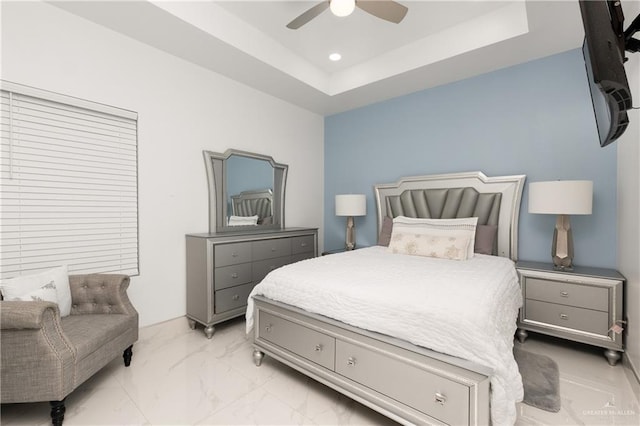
x,y
632,375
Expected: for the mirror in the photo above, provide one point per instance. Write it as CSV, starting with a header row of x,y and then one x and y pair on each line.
x,y
246,191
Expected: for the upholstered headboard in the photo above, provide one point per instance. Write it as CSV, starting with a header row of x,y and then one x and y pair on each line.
x,y
493,200
251,203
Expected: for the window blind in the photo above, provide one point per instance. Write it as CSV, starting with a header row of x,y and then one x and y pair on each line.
x,y
68,184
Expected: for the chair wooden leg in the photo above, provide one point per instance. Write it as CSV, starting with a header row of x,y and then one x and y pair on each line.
x,y
57,412
128,353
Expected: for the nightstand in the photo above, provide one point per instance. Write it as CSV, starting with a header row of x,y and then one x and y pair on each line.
x,y
583,305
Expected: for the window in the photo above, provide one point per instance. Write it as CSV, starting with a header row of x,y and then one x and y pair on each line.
x,y
68,184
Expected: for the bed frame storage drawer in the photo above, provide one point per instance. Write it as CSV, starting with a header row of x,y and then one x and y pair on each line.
x,y
437,397
588,320
232,275
232,297
411,385
223,268
296,338
578,295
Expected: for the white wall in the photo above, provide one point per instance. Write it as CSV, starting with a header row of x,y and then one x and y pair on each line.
x,y
629,205
182,110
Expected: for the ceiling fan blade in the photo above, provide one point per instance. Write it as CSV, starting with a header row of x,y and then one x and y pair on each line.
x,y
308,15
388,10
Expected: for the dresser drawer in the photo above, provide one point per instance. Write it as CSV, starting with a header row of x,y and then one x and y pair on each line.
x,y
267,249
301,256
263,267
310,344
588,320
232,297
232,275
427,392
232,254
303,244
578,295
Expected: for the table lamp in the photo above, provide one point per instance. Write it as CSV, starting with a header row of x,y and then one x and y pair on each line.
x,y
562,197
351,205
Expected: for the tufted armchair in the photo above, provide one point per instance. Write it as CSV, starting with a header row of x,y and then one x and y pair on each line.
x,y
45,357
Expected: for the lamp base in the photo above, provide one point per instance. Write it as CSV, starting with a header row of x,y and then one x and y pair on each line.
x,y
350,237
562,246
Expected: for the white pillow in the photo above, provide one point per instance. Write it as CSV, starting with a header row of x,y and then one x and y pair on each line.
x,y
243,220
19,287
46,293
443,238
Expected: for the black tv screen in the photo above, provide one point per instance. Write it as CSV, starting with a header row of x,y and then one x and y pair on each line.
x,y
604,52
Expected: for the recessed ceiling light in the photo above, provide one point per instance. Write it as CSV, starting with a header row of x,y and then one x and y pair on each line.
x,y
335,57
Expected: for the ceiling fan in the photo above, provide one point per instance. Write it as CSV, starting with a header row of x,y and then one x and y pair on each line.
x,y
388,10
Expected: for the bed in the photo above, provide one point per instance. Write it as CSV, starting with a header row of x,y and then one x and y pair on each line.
x,y
372,325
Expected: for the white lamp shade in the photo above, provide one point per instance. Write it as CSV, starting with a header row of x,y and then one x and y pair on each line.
x,y
342,7
351,205
561,197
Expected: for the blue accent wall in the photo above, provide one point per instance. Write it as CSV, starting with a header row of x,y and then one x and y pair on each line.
x,y
535,119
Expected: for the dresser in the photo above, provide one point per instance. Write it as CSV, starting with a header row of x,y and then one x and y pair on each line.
x,y
583,305
223,268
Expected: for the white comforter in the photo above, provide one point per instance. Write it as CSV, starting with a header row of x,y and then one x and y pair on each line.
x,y
466,308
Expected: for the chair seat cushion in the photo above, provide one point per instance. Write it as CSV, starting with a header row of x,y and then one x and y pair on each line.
x,y
89,333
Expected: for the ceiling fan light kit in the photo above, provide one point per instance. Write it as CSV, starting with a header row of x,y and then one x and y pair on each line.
x,y
342,7
387,10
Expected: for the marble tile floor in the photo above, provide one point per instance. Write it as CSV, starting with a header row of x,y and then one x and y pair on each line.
x,y
178,377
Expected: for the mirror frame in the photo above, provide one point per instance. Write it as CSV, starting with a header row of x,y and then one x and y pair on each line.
x,y
216,166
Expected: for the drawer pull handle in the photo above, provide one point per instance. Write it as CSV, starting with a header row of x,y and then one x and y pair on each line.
x,y
234,275
351,361
440,398
318,348
564,294
234,254
564,316
303,245
235,297
273,249
268,328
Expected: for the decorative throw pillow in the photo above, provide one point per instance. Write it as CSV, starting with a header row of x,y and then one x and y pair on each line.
x,y
485,237
443,238
46,293
385,232
16,288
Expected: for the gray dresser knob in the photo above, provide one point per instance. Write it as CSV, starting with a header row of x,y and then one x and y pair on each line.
x,y
235,297
440,398
351,361
234,254
268,328
303,244
564,294
318,348
564,316
234,275
273,249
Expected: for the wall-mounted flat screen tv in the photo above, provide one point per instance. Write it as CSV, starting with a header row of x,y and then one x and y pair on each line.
x,y
604,54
